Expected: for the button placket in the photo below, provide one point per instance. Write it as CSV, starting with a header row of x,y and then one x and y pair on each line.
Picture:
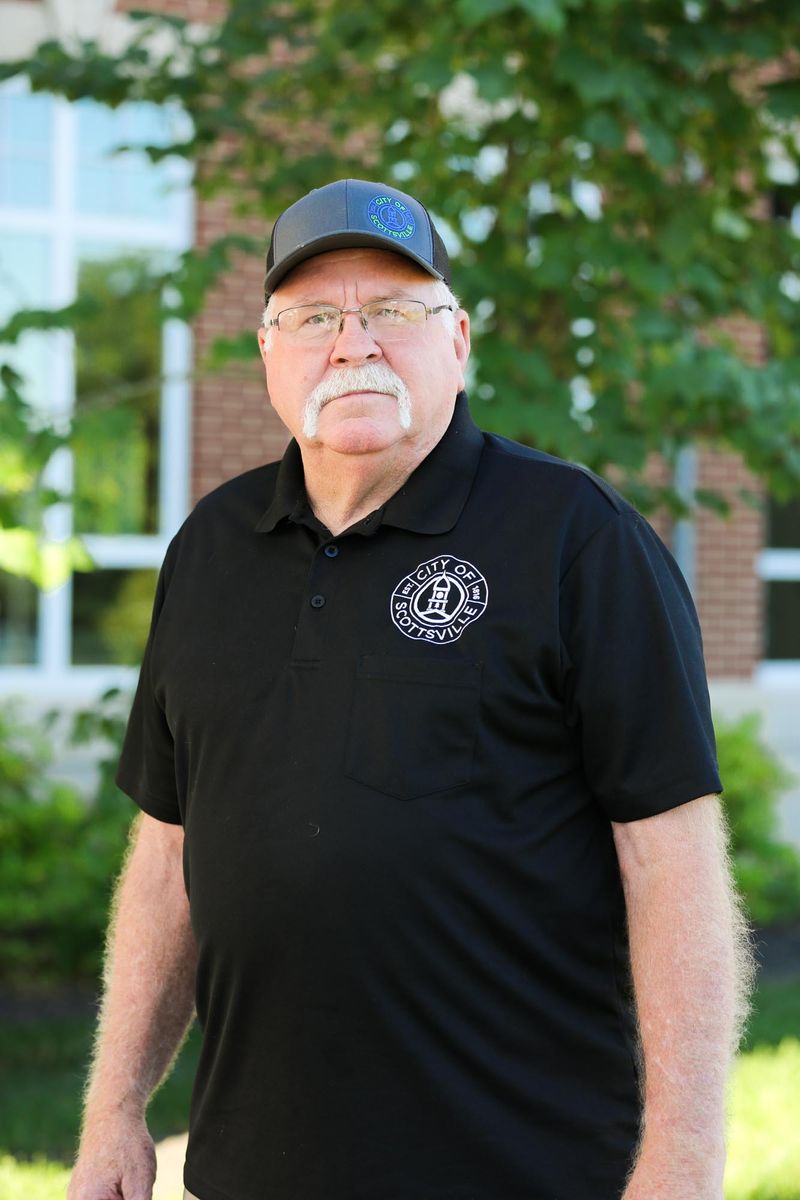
x,y
331,551
312,632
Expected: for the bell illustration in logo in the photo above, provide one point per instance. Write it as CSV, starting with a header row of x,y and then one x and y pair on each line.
x,y
436,607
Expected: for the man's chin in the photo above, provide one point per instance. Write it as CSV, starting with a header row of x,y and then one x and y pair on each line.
x,y
359,433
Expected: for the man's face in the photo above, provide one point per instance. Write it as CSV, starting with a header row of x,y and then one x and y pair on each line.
x,y
427,366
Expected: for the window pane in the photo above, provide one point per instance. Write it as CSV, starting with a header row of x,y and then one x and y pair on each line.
x,y
117,397
127,183
111,615
783,619
25,283
784,525
26,134
18,608
24,273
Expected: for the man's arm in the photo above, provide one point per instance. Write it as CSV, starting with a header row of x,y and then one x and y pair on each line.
x,y
693,971
147,1007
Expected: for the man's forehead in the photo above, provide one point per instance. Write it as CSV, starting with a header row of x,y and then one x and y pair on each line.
x,y
354,264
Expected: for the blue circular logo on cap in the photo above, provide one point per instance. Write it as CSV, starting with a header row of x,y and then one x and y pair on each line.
x,y
391,217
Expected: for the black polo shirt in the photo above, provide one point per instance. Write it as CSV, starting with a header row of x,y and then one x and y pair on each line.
x,y
396,754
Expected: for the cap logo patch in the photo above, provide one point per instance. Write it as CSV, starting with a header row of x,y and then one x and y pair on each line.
x,y
391,217
439,599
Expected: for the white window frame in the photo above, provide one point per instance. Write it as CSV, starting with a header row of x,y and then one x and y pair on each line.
x,y
53,675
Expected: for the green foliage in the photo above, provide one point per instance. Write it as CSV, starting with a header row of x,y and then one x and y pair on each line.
x,y
27,443
775,1013
113,430
117,397
595,162
767,870
60,852
116,614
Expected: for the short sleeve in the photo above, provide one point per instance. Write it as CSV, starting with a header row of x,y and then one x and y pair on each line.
x,y
146,770
633,675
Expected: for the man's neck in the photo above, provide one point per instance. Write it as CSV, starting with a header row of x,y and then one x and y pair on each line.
x,y
344,488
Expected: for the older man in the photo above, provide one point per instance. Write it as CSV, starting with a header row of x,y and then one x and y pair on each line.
x,y
430,824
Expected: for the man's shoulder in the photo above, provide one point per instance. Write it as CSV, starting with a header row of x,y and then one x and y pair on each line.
x,y
225,515
243,495
571,482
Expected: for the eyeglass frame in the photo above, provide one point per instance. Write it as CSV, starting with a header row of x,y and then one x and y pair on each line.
x,y
343,312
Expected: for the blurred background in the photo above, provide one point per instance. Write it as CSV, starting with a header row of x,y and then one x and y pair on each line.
x,y
618,184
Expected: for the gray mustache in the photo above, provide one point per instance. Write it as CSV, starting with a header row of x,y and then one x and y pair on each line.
x,y
371,377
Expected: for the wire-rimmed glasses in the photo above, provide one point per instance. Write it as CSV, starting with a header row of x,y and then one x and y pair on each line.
x,y
386,320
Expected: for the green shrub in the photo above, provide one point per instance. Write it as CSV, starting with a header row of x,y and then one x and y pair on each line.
x,y
767,870
61,852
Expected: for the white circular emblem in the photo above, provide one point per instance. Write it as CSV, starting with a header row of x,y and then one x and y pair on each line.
x,y
439,599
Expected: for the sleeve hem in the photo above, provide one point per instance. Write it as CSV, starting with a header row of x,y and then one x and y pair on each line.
x,y
635,808
154,806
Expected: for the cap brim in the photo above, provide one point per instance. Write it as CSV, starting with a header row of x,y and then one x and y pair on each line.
x,y
342,240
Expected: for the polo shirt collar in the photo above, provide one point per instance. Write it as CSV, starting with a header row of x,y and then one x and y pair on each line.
x,y
430,500
289,498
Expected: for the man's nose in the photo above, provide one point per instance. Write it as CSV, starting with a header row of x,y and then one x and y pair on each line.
x,y
354,343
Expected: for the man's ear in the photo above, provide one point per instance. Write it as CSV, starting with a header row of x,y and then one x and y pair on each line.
x,y
461,341
263,336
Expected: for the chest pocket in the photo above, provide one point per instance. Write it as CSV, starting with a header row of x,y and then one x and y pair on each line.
x,y
413,725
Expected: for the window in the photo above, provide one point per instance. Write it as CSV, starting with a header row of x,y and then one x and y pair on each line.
x,y
78,219
780,569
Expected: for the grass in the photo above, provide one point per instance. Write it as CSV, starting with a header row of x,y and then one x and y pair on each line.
x,y
39,1180
764,1100
764,1117
43,1065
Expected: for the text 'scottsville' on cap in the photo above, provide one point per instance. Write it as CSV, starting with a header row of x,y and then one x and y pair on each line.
x,y
354,213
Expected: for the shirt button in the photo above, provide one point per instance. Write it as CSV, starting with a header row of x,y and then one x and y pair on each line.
x,y
317,601
331,551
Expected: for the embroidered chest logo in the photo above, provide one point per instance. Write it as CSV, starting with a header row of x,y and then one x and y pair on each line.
x,y
439,599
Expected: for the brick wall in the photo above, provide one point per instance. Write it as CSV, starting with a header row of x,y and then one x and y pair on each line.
x,y
204,12
234,427
730,595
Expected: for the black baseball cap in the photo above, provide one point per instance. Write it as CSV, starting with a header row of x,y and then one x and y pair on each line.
x,y
354,212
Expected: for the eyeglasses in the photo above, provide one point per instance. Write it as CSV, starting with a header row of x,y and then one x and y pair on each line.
x,y
387,320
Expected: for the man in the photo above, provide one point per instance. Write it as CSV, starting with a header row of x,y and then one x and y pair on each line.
x,y
423,731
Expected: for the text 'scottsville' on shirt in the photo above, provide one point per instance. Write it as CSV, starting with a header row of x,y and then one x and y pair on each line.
x,y
396,754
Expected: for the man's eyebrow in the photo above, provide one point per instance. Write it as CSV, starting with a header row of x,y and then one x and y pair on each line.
x,y
395,294
304,300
